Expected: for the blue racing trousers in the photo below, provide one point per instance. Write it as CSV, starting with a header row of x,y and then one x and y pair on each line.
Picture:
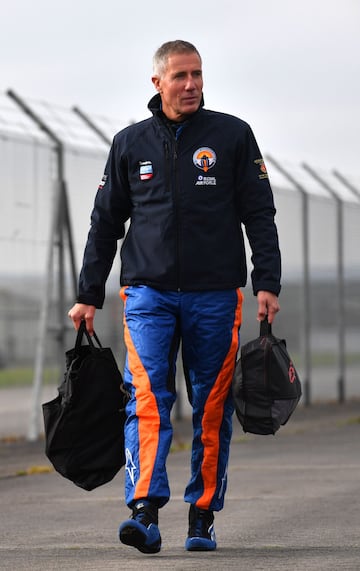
x,y
207,324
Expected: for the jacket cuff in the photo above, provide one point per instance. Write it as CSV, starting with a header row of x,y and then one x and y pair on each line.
x,y
89,299
272,287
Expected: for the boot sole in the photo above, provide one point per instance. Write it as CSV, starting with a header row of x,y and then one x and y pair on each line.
x,y
199,544
133,536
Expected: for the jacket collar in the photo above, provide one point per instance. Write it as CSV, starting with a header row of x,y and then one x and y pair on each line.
x,y
154,106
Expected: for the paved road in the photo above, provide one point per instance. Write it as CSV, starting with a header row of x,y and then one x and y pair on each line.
x,y
292,503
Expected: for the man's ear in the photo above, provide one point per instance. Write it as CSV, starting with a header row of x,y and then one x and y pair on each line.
x,y
156,81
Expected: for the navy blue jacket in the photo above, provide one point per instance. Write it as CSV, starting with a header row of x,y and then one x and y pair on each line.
x,y
186,196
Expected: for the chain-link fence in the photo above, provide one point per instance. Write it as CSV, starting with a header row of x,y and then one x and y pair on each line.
x,y
51,155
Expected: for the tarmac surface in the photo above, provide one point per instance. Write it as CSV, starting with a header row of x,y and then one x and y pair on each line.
x,y
292,503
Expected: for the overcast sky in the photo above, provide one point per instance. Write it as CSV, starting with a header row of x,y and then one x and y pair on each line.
x,y
289,68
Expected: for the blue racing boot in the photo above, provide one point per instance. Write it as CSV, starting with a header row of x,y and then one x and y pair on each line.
x,y
201,535
141,530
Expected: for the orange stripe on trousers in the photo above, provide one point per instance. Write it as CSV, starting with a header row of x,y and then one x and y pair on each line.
x,y
147,413
212,417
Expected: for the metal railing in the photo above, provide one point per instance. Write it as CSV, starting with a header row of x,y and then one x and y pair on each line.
x,y
51,160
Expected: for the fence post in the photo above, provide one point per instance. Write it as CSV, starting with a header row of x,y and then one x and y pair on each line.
x,y
346,183
60,223
306,277
90,123
340,278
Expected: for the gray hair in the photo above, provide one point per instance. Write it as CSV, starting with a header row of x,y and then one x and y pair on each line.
x,y
162,54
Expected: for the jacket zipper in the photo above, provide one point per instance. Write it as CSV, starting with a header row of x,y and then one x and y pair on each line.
x,y
177,216
171,180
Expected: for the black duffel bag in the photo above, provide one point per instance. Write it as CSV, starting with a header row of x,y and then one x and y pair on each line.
x,y
84,424
266,386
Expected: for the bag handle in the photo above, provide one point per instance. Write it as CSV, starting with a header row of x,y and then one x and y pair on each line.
x,y
265,327
83,331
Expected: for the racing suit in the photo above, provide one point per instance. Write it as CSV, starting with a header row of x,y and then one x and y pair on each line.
x,y
187,190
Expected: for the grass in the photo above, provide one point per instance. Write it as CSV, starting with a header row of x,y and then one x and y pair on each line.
x,y
24,376
326,359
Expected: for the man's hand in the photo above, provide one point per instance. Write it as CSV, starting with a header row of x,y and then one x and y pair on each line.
x,y
80,312
268,304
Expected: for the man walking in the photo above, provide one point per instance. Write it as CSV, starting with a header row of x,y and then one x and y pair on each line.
x,y
187,179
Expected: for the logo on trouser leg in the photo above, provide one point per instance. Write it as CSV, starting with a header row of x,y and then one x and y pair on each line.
x,y
130,466
223,482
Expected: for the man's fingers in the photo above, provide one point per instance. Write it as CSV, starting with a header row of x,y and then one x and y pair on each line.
x,y
262,309
81,312
261,314
89,320
268,305
76,319
271,314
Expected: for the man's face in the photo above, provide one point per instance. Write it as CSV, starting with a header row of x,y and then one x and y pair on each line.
x,y
180,86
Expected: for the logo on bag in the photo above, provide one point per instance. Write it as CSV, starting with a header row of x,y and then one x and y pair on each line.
x,y
292,373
